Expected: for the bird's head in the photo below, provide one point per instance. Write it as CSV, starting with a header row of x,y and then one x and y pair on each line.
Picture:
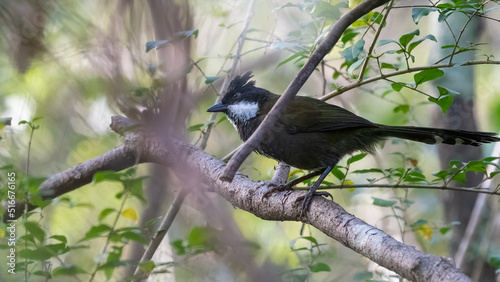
x,y
242,101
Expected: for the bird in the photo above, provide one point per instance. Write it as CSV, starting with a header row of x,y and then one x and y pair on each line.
x,y
314,135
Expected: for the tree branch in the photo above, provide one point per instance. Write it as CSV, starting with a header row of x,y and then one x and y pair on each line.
x,y
325,215
326,45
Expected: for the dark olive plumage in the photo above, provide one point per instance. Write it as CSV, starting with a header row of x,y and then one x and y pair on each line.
x,y
312,134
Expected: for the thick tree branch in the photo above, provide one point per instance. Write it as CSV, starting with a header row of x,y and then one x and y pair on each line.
x,y
326,45
325,215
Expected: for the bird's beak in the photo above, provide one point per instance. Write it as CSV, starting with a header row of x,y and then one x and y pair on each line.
x,y
219,107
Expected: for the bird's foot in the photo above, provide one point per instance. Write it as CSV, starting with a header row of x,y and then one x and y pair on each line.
x,y
307,198
278,188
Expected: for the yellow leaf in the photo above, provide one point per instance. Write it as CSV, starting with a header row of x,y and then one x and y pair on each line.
x,y
349,182
2,233
130,213
425,231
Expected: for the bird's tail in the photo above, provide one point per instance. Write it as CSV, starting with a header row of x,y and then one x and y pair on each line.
x,y
437,136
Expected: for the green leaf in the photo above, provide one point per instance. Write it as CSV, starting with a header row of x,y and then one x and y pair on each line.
x,y
324,9
386,41
444,230
402,108
300,54
355,66
150,45
418,13
200,236
147,266
416,43
39,254
210,79
358,48
338,173
107,175
96,231
445,99
22,122
104,213
59,238
427,75
310,239
495,261
67,270
34,229
318,267
348,35
356,158
134,236
383,203
371,170
397,86
407,38
389,66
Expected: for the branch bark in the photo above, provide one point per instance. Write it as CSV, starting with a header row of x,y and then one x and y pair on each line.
x,y
243,193
324,48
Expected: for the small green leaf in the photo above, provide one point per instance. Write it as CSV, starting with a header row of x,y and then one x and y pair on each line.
x,y
67,270
495,261
59,238
96,231
418,13
445,99
427,75
358,48
355,66
107,175
210,79
22,122
407,38
444,230
402,108
196,127
389,66
397,86
318,267
416,43
150,45
104,213
383,203
386,41
356,158
371,170
34,229
338,173
300,54
147,266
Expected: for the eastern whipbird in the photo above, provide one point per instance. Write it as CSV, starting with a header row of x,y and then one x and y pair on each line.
x,y
314,135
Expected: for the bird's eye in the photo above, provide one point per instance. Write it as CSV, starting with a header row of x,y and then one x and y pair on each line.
x,y
237,95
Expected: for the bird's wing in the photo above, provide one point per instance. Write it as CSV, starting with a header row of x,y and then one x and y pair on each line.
x,y
306,115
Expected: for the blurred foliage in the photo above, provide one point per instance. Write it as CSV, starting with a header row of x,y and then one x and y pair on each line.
x,y
78,63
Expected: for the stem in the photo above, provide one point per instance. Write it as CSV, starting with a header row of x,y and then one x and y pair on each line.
x,y
372,46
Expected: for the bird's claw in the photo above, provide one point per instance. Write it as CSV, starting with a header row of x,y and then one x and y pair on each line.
x,y
277,188
307,199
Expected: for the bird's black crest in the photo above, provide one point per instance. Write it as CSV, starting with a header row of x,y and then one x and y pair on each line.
x,y
241,83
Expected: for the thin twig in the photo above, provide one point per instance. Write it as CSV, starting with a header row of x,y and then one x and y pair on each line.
x,y
160,233
396,73
398,186
236,58
372,46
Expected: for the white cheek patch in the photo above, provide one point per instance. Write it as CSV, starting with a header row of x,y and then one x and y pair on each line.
x,y
244,111
438,139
